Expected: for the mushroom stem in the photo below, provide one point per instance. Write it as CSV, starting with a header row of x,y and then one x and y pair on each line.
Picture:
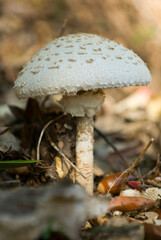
x,y
83,106
84,152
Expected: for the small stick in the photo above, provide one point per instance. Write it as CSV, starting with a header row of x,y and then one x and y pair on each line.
x,y
140,176
141,155
129,170
40,138
157,170
41,135
65,157
153,183
62,30
54,146
142,185
110,143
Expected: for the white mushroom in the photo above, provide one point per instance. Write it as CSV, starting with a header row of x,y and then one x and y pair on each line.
x,y
79,66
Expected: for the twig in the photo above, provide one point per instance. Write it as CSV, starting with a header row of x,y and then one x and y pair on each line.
x,y
65,157
41,135
40,138
129,170
54,146
154,170
62,30
141,155
110,143
153,183
140,176
157,170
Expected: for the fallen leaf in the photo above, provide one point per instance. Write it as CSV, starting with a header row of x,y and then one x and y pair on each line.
x,y
135,184
17,112
152,193
147,217
131,193
112,183
129,204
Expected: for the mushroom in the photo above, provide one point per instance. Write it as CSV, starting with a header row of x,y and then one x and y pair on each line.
x,y
79,66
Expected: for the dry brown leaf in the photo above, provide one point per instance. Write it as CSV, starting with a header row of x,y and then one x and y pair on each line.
x,y
112,183
147,217
129,204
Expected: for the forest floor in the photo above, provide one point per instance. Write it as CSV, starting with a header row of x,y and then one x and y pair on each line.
x,y
126,123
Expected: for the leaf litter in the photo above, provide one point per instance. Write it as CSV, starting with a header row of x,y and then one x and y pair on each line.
x,y
128,129
27,127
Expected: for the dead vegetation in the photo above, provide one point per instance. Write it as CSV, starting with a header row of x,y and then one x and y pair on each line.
x,y
125,124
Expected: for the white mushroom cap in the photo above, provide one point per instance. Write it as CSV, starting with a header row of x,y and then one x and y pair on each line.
x,y
80,62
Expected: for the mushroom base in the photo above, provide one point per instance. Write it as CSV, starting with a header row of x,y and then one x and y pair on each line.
x,y
84,152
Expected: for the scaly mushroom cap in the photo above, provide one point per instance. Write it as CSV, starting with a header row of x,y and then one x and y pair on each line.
x,y
80,62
